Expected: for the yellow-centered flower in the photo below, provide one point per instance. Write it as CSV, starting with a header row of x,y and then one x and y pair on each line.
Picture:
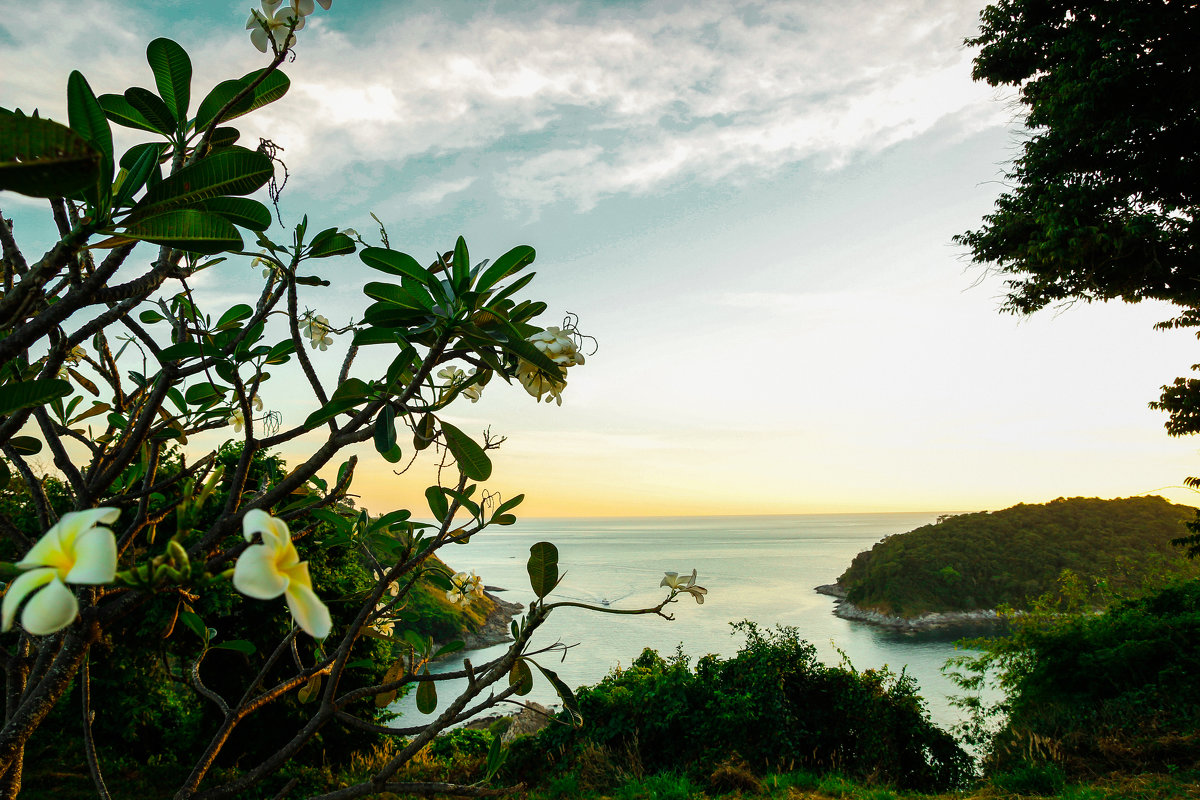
x,y
75,550
265,571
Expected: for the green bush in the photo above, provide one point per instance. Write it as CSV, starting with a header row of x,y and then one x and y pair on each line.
x,y
1094,692
773,702
1031,779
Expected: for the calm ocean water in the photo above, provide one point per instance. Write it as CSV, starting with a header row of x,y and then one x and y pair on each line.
x,y
761,568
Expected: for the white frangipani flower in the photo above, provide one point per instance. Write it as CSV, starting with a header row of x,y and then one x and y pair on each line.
x,y
236,419
680,584
76,550
317,329
266,263
257,402
559,346
274,20
460,588
537,383
473,391
265,571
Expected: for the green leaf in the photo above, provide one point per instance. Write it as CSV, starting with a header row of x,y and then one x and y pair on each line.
x,y
40,158
308,692
510,263
152,109
521,676
26,445
543,568
150,316
235,315
273,87
564,693
242,646
398,295
135,153
280,353
352,387
461,267
391,518
137,173
172,75
448,648
186,229
425,431
437,502
121,111
516,631
394,263
504,519
472,461
426,696
15,396
195,624
336,245
182,350
235,171
241,211
221,94
206,392
224,137
87,117
495,758
331,410
385,430
510,504
393,455
366,336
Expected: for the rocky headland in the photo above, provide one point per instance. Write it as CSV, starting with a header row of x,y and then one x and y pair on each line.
x,y
947,619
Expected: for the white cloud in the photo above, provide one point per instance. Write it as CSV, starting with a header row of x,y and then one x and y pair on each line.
x,y
434,193
635,100
581,102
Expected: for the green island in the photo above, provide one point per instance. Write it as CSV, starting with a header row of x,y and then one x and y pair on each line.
x,y
987,560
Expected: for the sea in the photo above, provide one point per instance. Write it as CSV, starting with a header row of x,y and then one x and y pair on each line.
x,y
758,568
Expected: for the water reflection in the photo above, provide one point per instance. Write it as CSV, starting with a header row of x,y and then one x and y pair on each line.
x,y
757,568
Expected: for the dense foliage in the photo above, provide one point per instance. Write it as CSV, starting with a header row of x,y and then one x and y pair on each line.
x,y
1010,557
1091,693
773,705
1106,190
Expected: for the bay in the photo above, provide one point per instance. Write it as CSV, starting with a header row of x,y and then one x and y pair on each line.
x,y
760,568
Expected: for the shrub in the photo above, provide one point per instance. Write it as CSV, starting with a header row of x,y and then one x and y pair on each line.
x,y
773,700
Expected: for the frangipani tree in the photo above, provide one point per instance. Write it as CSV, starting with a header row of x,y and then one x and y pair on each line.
x,y
113,369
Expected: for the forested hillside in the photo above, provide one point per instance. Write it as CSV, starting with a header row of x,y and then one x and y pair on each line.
x,y
983,560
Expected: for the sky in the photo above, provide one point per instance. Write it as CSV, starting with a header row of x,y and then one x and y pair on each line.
x,y
749,205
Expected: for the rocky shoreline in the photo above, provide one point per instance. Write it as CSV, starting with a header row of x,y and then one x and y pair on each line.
x,y
948,619
495,629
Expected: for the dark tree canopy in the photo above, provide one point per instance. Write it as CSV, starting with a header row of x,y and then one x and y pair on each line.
x,y
1104,196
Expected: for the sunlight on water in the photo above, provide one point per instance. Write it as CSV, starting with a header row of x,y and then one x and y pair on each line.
x,y
758,568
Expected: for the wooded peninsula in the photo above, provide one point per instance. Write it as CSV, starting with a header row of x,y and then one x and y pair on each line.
x,y
984,560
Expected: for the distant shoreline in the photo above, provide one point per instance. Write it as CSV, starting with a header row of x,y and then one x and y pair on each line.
x,y
495,628
932,621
